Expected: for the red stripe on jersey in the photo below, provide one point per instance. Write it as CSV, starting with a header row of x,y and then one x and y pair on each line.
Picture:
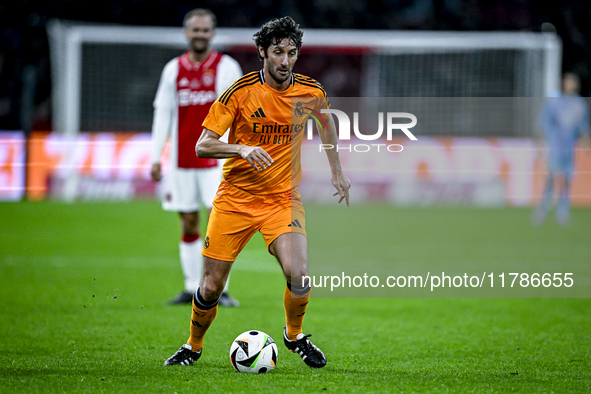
x,y
195,94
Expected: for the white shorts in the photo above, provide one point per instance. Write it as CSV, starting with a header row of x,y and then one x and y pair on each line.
x,y
187,189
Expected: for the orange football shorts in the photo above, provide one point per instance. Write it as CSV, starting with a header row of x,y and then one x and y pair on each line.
x,y
237,215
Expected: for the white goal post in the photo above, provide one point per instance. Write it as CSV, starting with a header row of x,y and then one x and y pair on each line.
x,y
104,78
390,60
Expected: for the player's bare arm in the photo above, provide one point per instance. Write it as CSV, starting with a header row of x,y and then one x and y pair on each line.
x,y
209,145
339,179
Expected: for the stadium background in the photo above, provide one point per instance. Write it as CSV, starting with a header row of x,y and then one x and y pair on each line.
x,y
83,286
26,83
23,40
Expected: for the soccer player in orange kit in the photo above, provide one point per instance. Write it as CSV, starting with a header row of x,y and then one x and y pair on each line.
x,y
259,189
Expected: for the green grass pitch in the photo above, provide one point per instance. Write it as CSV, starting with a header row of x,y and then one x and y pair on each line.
x,y
83,291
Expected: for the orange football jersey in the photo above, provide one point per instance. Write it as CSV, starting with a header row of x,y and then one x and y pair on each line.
x,y
258,115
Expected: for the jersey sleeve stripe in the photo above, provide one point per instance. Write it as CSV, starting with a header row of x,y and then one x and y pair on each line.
x,y
248,79
309,82
226,99
301,77
312,84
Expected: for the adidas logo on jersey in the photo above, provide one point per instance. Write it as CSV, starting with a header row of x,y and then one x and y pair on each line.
x,y
258,114
184,82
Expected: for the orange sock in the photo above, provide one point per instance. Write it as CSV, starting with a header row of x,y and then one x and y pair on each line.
x,y
201,319
295,309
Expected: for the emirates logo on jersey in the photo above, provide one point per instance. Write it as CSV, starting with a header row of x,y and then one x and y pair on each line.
x,y
188,97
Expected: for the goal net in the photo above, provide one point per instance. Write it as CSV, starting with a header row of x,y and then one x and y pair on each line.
x,y
105,77
458,84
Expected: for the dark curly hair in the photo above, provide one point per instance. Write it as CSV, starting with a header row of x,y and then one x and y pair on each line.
x,y
272,32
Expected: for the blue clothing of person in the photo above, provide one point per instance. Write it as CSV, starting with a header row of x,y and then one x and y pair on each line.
x,y
563,119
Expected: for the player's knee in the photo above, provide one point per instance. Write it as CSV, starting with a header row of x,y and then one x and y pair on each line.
x,y
190,231
190,223
299,266
211,290
295,274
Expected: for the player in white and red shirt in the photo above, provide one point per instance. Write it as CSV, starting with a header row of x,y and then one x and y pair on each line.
x,y
188,86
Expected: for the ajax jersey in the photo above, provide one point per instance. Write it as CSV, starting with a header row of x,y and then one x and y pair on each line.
x,y
185,94
195,93
259,115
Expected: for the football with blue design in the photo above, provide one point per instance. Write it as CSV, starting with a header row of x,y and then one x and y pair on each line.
x,y
253,352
